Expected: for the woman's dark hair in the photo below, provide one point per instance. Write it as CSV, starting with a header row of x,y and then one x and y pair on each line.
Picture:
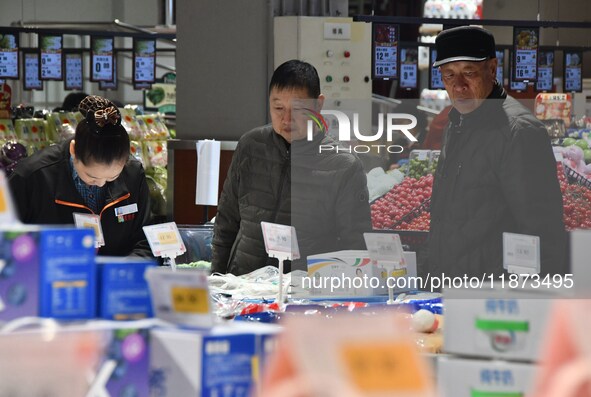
x,y
100,137
296,74
72,100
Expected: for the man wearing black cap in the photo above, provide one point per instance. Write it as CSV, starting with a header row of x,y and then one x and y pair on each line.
x,y
496,173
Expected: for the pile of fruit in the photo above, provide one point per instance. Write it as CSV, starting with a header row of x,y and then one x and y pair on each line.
x,y
576,200
401,200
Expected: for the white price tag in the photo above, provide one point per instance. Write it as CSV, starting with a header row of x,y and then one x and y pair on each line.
x,y
181,297
386,61
32,80
408,75
91,221
280,240
165,240
384,247
9,63
521,253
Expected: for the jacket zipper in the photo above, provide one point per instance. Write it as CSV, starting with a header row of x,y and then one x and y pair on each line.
x,y
69,204
283,171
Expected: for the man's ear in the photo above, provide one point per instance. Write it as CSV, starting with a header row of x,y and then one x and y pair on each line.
x,y
319,102
72,147
493,67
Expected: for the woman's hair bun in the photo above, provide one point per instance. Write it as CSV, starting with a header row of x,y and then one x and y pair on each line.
x,y
99,111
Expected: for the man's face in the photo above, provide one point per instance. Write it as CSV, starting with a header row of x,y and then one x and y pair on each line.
x,y
288,115
468,83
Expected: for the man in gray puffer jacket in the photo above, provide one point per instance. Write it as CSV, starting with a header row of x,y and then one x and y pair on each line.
x,y
496,173
279,176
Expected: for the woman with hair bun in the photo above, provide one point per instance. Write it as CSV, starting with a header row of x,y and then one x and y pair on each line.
x,y
90,174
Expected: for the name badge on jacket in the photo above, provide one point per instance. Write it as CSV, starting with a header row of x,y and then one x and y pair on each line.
x,y
126,212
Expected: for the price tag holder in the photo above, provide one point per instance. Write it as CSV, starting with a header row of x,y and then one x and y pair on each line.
x,y
50,49
181,297
74,76
385,249
31,79
101,58
281,242
90,221
521,253
9,65
500,65
165,240
144,60
573,67
435,80
409,67
545,71
385,51
525,50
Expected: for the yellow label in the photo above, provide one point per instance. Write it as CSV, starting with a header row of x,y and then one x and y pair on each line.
x,y
69,284
399,273
189,300
2,201
380,367
93,226
167,238
254,364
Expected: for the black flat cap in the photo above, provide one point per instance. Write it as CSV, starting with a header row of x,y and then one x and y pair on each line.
x,y
464,43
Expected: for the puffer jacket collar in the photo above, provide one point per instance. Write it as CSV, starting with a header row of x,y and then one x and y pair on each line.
x,y
491,103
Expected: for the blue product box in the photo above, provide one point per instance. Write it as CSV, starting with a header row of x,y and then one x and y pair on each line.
x,y
223,361
47,272
123,291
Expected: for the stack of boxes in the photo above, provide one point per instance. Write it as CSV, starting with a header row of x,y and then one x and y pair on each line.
x,y
494,339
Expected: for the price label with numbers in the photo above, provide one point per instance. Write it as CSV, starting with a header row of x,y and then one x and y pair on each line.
x,y
409,58
435,80
280,240
73,73
385,51
32,80
50,49
181,297
165,240
384,247
573,64
545,71
144,60
9,56
102,52
525,51
521,253
500,65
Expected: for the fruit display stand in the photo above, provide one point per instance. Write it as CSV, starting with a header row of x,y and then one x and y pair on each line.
x,y
576,198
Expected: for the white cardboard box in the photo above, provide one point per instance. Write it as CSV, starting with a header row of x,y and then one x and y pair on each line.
x,y
506,324
353,273
463,377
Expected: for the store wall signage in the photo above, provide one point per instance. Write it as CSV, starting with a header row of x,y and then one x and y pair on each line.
x,y
31,79
513,84
409,67
101,58
110,85
144,61
525,50
50,53
385,51
545,71
9,64
500,66
435,81
573,71
74,76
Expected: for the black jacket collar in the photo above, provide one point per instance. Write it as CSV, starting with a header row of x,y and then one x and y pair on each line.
x,y
492,102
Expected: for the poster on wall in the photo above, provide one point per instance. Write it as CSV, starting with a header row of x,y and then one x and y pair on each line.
x,y
50,53
525,51
31,80
573,71
409,67
144,61
545,71
435,81
9,64
101,58
384,51
74,75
